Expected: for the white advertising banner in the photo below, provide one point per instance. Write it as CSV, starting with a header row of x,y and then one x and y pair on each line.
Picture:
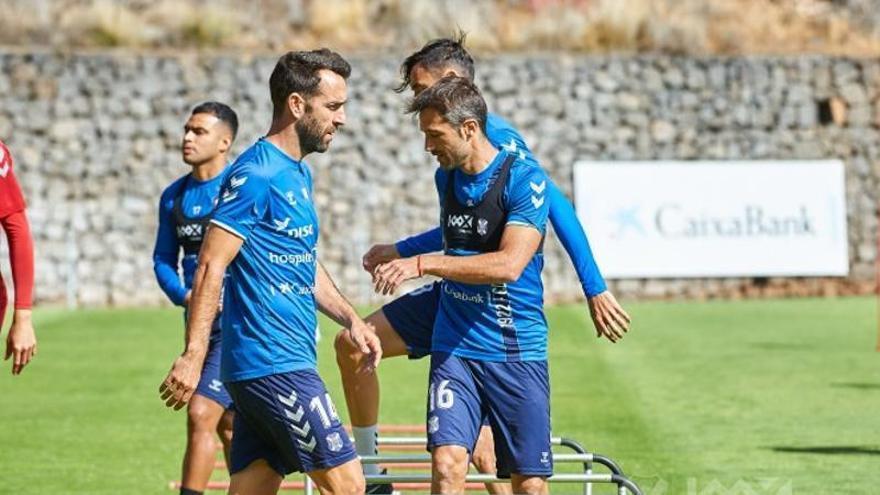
x,y
714,219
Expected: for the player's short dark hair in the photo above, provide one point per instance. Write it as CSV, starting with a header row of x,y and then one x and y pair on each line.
x,y
457,99
297,72
222,111
439,54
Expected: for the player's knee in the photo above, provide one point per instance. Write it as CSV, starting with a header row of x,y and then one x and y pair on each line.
x,y
531,486
199,418
484,460
352,483
449,464
224,427
347,353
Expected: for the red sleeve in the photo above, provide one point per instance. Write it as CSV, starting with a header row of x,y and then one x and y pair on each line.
x,y
11,199
21,257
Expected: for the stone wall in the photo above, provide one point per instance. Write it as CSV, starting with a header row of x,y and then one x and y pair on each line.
x,y
96,138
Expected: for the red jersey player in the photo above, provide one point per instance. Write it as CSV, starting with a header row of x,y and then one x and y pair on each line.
x,y
21,343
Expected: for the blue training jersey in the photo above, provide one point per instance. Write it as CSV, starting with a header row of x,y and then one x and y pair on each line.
x,y
269,321
497,322
197,199
571,234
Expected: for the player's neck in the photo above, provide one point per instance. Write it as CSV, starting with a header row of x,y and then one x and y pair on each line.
x,y
285,138
210,169
482,155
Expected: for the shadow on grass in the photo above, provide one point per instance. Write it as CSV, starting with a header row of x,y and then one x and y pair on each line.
x,y
857,386
829,450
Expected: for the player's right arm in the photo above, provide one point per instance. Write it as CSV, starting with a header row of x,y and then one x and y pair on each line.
x,y
166,252
242,204
218,250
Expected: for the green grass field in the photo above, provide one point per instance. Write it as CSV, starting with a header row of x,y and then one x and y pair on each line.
x,y
770,397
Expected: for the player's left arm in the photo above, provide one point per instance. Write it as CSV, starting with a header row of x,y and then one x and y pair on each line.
x,y
332,303
527,217
609,318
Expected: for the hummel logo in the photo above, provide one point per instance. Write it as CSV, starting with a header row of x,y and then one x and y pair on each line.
x,y
511,146
229,196
537,202
538,188
288,401
237,181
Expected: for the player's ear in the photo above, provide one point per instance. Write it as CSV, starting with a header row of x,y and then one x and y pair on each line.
x,y
469,129
297,105
225,143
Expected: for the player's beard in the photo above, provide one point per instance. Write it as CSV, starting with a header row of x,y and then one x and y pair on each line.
x,y
310,134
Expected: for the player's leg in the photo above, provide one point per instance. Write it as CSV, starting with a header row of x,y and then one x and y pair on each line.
x,y
404,326
258,478
485,462
204,414
202,417
518,404
449,466
289,420
454,417
362,389
528,485
345,479
224,431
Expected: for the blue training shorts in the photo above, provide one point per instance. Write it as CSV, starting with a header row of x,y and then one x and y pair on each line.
x,y
289,420
210,385
514,396
412,316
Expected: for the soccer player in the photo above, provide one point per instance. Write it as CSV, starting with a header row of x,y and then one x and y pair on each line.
x,y
185,208
405,325
489,347
21,342
265,231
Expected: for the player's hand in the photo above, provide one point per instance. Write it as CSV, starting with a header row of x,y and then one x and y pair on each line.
x,y
182,380
21,343
364,337
388,277
610,320
378,254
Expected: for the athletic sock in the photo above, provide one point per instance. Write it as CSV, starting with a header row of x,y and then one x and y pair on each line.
x,y
187,491
365,444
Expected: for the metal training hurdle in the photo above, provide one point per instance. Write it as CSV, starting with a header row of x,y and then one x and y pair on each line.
x,y
421,481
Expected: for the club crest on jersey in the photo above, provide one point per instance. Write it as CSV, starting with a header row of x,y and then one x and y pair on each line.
x,y
334,442
482,226
197,210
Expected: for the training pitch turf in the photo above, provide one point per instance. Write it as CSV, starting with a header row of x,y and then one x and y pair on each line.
x,y
769,397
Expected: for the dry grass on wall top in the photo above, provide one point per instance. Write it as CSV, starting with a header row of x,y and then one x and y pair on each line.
x,y
597,26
